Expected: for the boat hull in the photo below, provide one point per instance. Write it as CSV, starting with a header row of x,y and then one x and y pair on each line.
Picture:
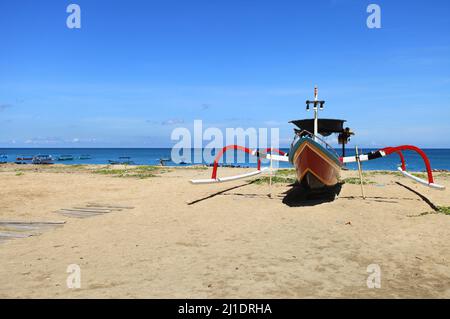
x,y
316,166
42,159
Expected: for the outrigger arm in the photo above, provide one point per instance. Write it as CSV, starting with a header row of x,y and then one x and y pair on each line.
x,y
277,155
260,154
398,150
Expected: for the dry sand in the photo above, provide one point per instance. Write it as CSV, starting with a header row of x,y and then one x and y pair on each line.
x,y
237,244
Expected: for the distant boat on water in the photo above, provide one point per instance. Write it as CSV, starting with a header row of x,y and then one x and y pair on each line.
x,y
42,159
65,158
162,161
24,158
85,157
123,160
100,156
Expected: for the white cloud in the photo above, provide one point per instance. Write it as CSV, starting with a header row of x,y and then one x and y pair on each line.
x,y
43,140
172,122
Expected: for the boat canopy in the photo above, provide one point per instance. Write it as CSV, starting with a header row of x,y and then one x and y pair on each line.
x,y
326,126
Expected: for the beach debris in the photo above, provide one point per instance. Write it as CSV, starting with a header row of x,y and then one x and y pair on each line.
x,y
348,223
91,209
22,229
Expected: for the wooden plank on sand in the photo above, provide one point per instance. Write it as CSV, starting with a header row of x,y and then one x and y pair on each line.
x,y
109,206
15,222
85,210
8,234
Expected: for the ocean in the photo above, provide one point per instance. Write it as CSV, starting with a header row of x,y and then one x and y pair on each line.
x,y
439,158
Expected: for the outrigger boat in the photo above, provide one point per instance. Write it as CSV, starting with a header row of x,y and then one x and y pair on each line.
x,y
42,159
24,159
123,160
65,158
3,158
162,161
317,164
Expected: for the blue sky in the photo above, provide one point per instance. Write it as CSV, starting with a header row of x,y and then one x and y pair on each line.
x,y
138,69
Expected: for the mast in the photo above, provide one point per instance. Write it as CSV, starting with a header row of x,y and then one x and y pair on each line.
x,y
316,104
316,112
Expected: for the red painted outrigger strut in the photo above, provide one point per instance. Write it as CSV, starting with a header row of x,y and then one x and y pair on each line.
x,y
282,156
399,149
256,153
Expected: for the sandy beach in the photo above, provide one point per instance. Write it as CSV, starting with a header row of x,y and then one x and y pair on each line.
x,y
232,240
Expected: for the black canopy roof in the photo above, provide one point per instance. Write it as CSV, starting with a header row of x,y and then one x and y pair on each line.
x,y
326,126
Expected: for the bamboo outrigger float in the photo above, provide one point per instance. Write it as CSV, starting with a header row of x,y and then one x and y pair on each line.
x,y
317,164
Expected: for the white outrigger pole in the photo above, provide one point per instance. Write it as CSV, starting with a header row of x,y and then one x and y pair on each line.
x,y
275,155
402,169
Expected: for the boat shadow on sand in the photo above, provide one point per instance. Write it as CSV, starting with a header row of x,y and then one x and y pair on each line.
x,y
299,196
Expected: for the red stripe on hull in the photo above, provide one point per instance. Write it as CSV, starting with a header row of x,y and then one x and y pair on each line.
x,y
310,160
